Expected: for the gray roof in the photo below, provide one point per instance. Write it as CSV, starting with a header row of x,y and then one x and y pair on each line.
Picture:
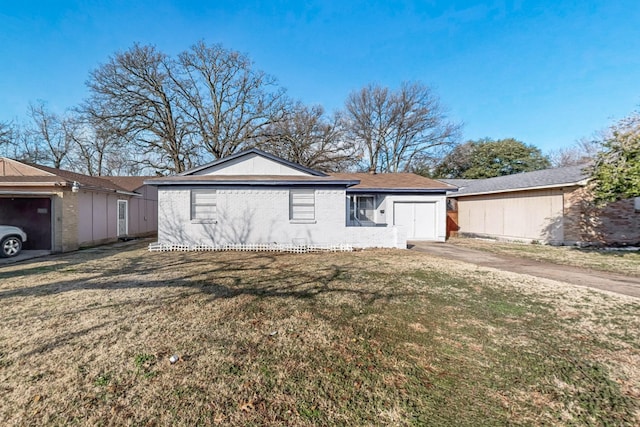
x,y
547,178
458,182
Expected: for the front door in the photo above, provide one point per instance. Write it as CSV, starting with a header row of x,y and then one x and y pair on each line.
x,y
123,226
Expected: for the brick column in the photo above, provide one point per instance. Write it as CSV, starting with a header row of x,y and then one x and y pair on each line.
x,y
69,221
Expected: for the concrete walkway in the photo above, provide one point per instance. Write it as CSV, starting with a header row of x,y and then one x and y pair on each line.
x,y
626,285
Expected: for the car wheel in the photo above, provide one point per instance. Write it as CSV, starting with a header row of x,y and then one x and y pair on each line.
x,y
10,246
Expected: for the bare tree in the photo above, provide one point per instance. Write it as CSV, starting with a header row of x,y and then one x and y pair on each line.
x,y
227,101
583,151
394,128
133,95
305,136
7,139
50,133
98,151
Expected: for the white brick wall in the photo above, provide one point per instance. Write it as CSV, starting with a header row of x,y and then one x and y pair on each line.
x,y
262,216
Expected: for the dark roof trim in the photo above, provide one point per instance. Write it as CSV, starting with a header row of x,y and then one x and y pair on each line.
x,y
265,183
259,153
401,190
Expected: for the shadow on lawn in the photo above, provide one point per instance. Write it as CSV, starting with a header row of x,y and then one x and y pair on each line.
x,y
262,275
248,274
67,260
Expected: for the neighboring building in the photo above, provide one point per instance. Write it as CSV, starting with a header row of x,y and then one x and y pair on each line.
x,y
550,206
254,198
62,211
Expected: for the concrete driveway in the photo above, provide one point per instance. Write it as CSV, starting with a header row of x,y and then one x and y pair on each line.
x,y
611,282
23,256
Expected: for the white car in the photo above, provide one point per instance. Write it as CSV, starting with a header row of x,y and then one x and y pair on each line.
x,y
11,239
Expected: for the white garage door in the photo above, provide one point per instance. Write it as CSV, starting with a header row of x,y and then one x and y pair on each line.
x,y
419,219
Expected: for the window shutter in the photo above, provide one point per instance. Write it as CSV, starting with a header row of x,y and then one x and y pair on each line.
x,y
204,204
302,205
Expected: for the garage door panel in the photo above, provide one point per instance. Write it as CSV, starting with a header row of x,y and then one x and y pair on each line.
x,y
403,216
425,220
418,219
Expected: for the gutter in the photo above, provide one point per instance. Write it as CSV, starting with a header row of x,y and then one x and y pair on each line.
x,y
401,190
581,183
347,183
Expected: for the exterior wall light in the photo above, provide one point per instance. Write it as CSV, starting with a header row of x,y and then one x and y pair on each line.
x,y
75,187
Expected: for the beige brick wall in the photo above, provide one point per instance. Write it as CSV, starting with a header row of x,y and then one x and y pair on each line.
x,y
68,221
615,223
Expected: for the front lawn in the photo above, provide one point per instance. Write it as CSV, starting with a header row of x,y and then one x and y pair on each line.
x,y
383,337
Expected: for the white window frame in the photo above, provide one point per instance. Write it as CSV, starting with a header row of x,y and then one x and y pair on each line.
x,y
295,216
199,200
354,209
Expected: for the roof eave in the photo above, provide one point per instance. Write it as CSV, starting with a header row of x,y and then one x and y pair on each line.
x,y
32,184
400,190
540,187
261,183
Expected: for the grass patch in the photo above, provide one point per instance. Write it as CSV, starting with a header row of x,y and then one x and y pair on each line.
x,y
366,338
622,262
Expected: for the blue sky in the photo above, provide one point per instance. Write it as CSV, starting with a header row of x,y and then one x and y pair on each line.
x,y
544,72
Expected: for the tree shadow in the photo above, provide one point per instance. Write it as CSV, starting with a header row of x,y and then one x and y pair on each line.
x,y
64,261
256,274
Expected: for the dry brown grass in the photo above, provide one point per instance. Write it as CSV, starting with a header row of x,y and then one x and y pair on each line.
x,y
618,261
378,337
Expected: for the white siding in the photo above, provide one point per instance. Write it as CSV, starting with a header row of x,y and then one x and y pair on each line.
x,y
251,164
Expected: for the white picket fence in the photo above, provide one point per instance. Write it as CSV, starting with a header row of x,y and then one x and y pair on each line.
x,y
249,247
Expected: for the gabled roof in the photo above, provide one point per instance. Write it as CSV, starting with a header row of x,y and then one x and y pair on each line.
x,y
397,182
355,182
542,179
259,153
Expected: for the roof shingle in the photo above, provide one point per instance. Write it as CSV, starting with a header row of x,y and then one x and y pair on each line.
x,y
570,175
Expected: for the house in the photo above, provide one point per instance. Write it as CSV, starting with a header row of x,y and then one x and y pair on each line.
x,y
257,198
549,206
62,211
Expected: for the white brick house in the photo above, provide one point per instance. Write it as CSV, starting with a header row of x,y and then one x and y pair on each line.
x,y
254,197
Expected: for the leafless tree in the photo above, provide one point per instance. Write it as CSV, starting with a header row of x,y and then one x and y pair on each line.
x,y
50,133
583,151
394,128
7,139
225,98
133,95
176,112
98,151
305,136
